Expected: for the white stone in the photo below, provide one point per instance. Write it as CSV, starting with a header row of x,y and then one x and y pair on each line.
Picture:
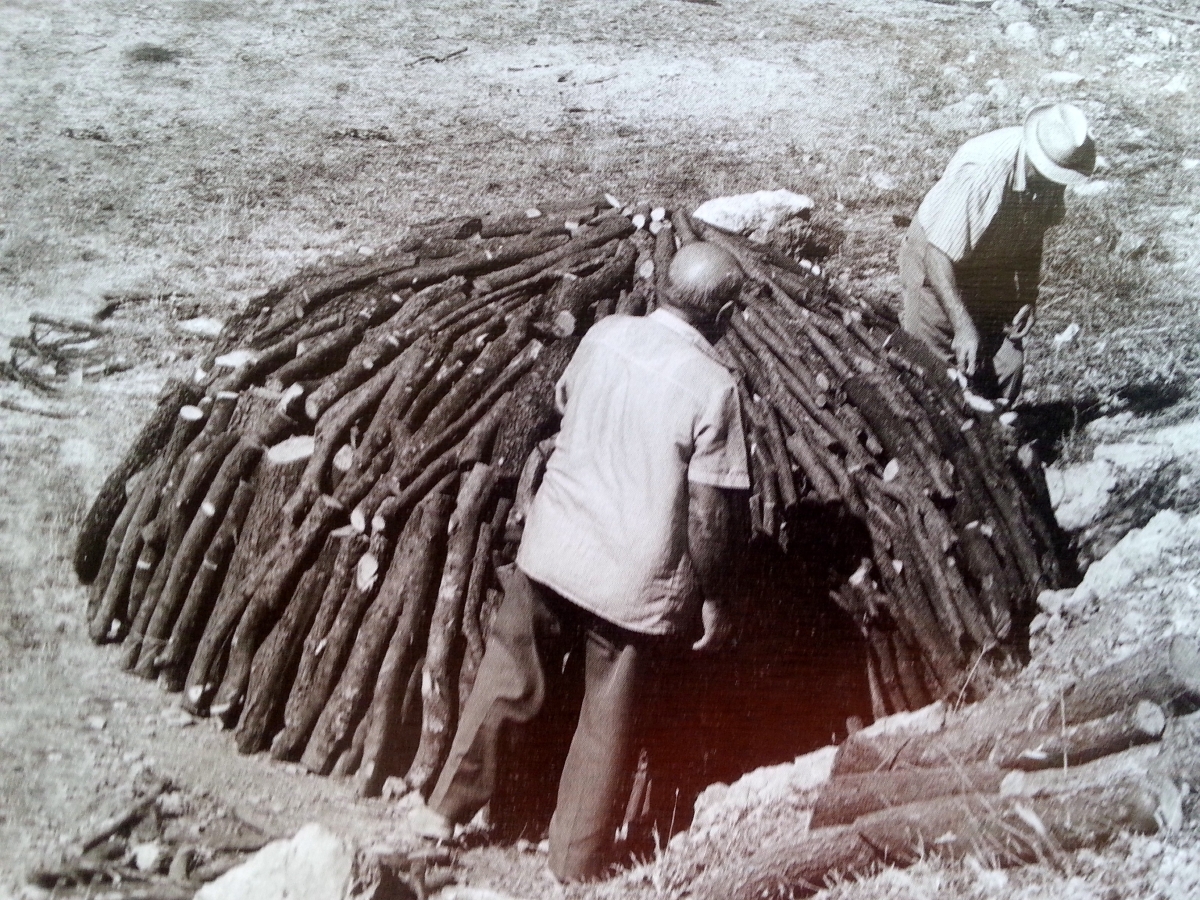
x,y
1022,34
1175,86
314,865
1134,555
1063,78
201,326
1080,494
754,214
1092,188
146,857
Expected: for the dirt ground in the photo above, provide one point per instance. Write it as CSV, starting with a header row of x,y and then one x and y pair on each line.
x,y
173,159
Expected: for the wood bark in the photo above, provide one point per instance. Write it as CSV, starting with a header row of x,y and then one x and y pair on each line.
x,y
409,580
276,660
1003,744
844,799
202,594
438,694
116,537
1004,831
107,505
277,475
288,741
336,647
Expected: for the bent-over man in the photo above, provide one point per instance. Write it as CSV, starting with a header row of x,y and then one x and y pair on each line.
x,y
620,556
971,260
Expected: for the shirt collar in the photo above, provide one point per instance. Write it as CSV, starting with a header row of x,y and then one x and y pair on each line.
x,y
685,330
1018,180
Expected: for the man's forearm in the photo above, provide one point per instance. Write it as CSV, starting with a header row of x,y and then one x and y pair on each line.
x,y
939,271
709,533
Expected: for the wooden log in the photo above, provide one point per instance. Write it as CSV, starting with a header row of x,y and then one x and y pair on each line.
x,y
378,347
409,581
664,253
202,594
848,797
336,647
429,443
891,696
276,661
1002,743
1166,673
319,357
567,306
165,535
116,537
481,568
113,605
533,416
277,476
438,694
107,505
684,226
388,748
236,467
478,259
589,237
349,760
1004,830
1140,723
340,579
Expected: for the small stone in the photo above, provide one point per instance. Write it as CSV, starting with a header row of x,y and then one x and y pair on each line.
x,y
1059,46
1022,34
883,181
1038,625
1189,164
1092,188
1131,245
1056,627
146,857
1164,37
366,251
180,718
96,723
201,326
1063,78
1175,86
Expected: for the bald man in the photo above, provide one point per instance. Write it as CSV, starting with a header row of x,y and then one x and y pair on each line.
x,y
620,558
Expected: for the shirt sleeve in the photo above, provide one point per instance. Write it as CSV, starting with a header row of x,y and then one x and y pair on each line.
x,y
957,211
719,455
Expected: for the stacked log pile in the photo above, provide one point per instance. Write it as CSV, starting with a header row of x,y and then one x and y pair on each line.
x,y
1010,781
309,538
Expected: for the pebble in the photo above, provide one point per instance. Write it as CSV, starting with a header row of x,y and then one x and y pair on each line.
x,y
1022,34
96,723
1177,85
146,857
1063,79
201,326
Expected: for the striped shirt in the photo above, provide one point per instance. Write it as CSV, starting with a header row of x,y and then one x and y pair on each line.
x,y
647,407
982,213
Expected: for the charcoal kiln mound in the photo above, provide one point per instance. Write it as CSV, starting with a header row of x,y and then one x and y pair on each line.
x,y
310,537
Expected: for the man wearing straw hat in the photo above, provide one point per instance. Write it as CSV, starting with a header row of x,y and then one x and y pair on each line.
x,y
971,260
621,558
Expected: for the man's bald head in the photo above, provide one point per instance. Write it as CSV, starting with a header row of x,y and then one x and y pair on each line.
x,y
703,278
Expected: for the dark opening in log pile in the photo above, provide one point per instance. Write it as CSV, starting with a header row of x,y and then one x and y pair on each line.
x,y
309,539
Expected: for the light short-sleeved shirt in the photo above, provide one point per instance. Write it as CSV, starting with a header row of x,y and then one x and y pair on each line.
x,y
983,215
647,407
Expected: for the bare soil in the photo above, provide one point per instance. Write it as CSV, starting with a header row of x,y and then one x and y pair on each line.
x,y
175,158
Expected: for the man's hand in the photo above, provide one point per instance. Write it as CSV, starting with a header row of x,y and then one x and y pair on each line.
x,y
717,627
966,347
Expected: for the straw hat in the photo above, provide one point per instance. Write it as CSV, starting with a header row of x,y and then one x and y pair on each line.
x,y
1058,144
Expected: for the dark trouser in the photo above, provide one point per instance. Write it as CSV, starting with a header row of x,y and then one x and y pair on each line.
x,y
1000,366
531,634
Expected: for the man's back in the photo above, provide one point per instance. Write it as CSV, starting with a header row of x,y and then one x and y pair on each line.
x,y
647,407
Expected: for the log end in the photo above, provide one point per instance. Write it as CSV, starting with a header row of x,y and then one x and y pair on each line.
x,y
1150,719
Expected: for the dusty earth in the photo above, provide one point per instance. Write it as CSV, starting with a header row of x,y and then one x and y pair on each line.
x,y
172,159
